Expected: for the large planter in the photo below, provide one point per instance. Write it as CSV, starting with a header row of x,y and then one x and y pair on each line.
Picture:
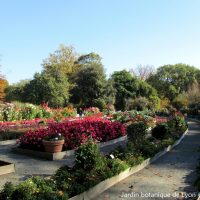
x,y
53,146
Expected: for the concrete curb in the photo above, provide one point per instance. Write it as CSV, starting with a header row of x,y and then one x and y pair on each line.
x,y
6,167
104,185
6,142
64,154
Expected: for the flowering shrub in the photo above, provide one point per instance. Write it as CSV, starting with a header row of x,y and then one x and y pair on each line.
x,y
75,132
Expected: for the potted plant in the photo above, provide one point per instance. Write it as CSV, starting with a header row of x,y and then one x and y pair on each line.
x,y
53,143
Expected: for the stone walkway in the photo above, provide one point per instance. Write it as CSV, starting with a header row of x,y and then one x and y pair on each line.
x,y
169,175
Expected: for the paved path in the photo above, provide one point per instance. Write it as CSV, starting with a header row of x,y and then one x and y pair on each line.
x,y
169,175
28,166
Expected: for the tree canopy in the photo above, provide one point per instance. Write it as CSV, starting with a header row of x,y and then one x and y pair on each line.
x,y
46,88
171,80
91,85
62,60
128,86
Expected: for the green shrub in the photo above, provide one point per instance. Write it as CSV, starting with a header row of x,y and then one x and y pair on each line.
x,y
149,148
62,178
139,104
178,124
88,156
25,191
137,131
7,191
161,131
129,153
167,142
116,166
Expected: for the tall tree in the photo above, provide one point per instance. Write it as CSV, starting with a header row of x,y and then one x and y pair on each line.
x,y
143,72
15,92
126,87
171,80
47,88
62,60
91,86
3,86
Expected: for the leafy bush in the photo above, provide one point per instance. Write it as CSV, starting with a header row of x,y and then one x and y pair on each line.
x,y
161,131
7,191
137,131
90,168
36,188
139,104
25,191
148,148
129,154
178,124
88,156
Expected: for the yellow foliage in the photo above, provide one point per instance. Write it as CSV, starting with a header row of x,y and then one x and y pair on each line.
x,y
3,86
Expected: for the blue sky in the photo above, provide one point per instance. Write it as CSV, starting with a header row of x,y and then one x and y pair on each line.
x,y
124,32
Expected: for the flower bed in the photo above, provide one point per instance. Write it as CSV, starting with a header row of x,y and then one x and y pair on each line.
x,y
74,132
24,111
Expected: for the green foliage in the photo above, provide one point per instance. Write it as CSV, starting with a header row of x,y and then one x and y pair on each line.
x,y
137,131
25,191
36,188
61,61
15,92
139,104
178,124
115,167
47,88
171,80
91,87
7,191
129,87
149,148
88,156
126,87
161,131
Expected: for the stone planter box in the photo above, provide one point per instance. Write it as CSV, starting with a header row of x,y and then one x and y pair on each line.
x,y
64,154
6,167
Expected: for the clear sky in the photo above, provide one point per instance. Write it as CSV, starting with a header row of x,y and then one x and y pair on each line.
x,y
124,33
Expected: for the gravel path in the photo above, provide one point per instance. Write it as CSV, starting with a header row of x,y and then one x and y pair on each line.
x,y
168,176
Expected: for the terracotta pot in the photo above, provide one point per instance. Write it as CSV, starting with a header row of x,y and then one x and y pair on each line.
x,y
53,146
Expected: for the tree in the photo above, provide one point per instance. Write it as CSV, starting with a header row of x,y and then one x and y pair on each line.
x,y
62,60
3,86
46,88
143,72
90,83
126,87
15,92
129,87
171,80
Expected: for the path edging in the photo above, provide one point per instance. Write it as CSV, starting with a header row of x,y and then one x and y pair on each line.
x,y
104,185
